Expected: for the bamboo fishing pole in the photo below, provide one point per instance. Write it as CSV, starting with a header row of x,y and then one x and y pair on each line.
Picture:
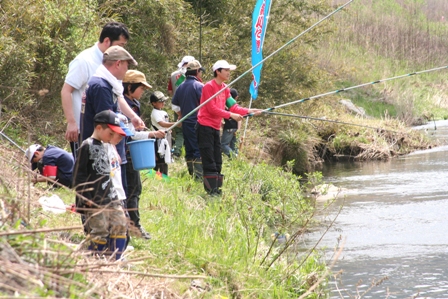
x,y
356,86
259,63
329,120
269,110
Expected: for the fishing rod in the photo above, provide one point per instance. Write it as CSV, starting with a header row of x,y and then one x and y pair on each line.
x,y
356,86
10,140
328,120
259,63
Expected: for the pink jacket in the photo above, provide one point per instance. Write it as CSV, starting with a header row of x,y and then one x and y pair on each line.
x,y
212,113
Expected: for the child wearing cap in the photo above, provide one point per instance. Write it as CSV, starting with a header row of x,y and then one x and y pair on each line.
x,y
115,166
96,196
160,121
134,85
41,157
209,124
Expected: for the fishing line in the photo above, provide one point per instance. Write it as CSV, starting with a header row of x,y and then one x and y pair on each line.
x,y
356,86
329,120
259,63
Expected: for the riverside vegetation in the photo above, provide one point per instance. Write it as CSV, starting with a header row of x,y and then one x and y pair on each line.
x,y
202,246
228,241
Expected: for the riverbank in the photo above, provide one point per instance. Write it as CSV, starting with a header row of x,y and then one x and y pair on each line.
x,y
219,247
301,140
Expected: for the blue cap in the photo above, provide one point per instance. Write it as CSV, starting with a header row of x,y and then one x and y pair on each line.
x,y
126,129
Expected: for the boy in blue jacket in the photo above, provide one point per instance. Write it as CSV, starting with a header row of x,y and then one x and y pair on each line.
x,y
41,157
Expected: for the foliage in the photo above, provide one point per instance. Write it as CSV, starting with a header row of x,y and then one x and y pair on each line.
x,y
295,147
39,36
229,238
39,39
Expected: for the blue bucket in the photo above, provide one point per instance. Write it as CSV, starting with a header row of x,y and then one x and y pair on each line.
x,y
142,154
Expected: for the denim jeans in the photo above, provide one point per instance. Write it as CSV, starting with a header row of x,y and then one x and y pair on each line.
x,y
190,141
228,141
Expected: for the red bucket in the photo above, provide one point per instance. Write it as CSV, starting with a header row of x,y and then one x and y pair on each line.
x,y
50,171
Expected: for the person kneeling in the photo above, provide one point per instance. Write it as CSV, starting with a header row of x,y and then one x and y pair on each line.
x,y
53,164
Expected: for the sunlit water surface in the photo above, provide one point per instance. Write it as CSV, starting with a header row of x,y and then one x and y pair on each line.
x,y
394,223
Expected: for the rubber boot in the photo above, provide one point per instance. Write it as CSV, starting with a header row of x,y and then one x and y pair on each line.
x,y
117,243
197,169
220,181
98,246
211,183
190,166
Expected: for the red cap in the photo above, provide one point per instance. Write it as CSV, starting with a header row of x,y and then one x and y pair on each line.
x,y
117,129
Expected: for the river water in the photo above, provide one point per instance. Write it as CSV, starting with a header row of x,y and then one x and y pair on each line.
x,y
394,223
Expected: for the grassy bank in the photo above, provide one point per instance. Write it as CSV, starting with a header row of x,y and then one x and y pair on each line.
x,y
374,40
225,240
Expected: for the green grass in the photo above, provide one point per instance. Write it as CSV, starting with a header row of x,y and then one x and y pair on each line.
x,y
376,109
369,99
227,238
365,48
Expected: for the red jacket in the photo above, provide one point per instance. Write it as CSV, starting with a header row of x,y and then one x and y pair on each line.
x,y
212,113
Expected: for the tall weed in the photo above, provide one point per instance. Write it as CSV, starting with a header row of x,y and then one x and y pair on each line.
x,y
230,237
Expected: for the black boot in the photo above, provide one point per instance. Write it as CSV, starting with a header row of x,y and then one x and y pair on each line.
x,y
197,169
211,183
190,166
220,181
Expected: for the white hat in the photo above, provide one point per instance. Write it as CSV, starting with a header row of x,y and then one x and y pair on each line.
x,y
31,150
185,60
222,64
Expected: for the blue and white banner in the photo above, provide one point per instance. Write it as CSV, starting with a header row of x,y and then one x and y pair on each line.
x,y
259,24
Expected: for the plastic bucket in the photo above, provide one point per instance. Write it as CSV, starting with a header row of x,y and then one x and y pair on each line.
x,y
50,171
142,154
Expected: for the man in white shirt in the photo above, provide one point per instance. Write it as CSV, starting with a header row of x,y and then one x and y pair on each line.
x,y
80,71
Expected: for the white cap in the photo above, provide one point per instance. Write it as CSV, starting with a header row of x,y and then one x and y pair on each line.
x,y
31,150
222,64
185,60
